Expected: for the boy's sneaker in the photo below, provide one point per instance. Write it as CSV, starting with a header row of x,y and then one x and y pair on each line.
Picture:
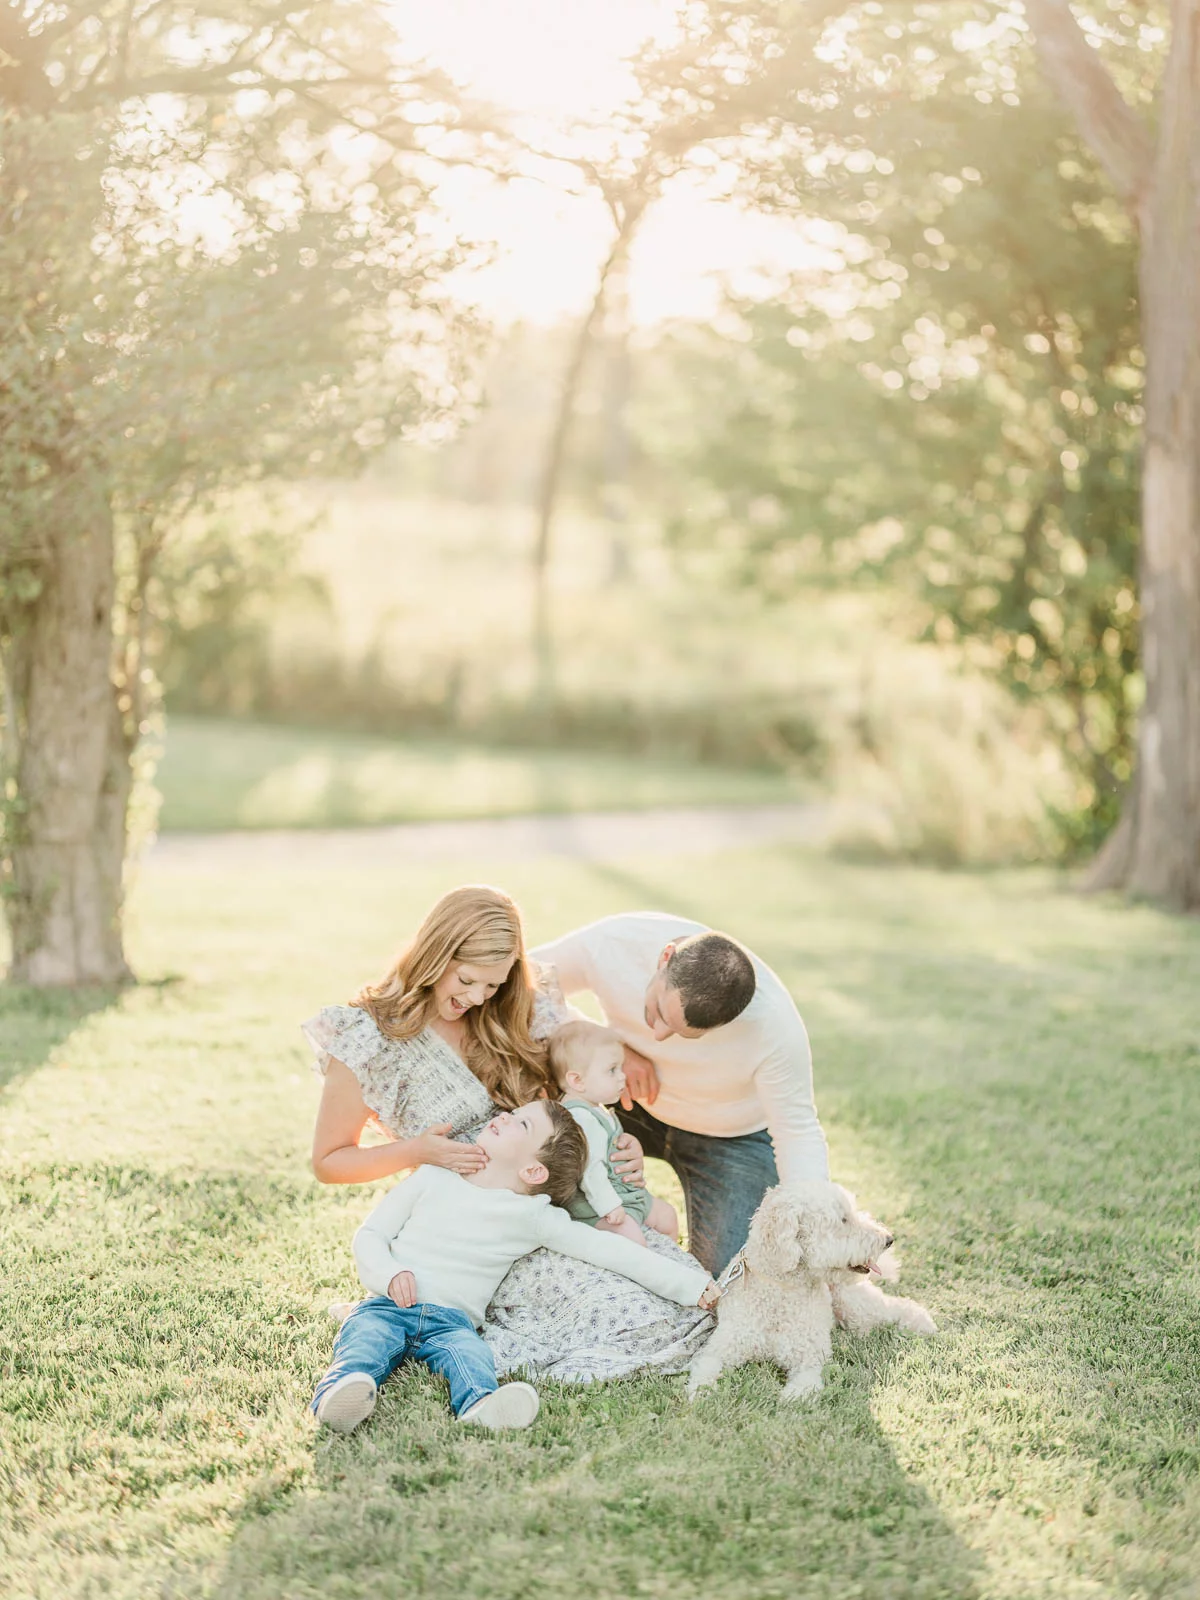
x,y
348,1402
513,1405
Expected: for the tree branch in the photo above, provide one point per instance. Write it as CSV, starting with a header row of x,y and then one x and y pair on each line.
x,y
1118,136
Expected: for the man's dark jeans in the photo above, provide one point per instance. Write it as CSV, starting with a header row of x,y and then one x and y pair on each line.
x,y
723,1181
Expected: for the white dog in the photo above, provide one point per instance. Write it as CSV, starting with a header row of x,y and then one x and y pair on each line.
x,y
809,1259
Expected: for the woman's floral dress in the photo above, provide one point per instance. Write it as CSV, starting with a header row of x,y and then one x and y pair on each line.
x,y
554,1316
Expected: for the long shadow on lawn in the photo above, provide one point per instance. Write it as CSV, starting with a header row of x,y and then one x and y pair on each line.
x,y
34,1022
1052,1156
620,1489
649,894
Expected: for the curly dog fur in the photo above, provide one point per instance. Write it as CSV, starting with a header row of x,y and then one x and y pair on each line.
x,y
809,1259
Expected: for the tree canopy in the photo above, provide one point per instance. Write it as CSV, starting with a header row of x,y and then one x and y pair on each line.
x,y
952,401
216,265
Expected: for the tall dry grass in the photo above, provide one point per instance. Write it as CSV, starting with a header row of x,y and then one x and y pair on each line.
x,y
403,616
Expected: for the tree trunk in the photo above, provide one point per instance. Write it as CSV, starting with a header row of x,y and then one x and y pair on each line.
x,y
556,456
614,499
1155,851
552,471
72,768
1165,854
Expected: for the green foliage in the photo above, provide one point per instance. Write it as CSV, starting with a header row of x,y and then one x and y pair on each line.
x,y
217,589
214,268
953,403
173,347
1007,1076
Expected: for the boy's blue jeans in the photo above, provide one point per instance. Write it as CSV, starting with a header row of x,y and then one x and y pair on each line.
x,y
378,1335
723,1181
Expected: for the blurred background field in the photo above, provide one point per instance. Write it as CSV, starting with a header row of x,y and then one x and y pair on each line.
x,y
219,774
372,664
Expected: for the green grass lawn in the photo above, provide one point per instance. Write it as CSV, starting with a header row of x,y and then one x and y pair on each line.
x,y
1009,1077
217,774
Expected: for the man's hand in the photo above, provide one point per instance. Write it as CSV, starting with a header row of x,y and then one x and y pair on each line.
x,y
709,1295
627,1160
403,1290
641,1080
617,1217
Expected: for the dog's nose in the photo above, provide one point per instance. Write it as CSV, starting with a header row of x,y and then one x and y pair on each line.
x,y
889,1241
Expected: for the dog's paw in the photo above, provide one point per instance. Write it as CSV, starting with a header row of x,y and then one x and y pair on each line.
x,y
802,1386
917,1320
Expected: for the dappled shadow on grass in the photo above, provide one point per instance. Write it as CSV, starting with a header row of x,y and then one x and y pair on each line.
x,y
619,1489
1041,1105
35,1022
155,1353
645,893
227,774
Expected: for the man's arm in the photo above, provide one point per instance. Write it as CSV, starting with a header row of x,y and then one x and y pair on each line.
x,y
674,1280
574,959
372,1242
570,956
785,1088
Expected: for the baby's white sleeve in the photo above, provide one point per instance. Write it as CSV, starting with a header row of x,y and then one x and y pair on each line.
x,y
596,1183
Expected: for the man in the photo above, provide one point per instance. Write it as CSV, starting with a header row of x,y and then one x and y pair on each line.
x,y
714,1043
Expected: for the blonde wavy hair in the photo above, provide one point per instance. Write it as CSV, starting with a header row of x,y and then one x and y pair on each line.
x,y
480,924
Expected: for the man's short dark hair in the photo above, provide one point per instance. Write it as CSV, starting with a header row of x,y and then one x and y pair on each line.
x,y
714,977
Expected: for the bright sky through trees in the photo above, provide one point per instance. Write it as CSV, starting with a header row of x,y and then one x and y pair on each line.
x,y
553,61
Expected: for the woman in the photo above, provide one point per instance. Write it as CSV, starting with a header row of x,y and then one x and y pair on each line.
x,y
450,1035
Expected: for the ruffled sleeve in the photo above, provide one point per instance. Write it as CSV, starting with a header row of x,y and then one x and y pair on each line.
x,y
550,1010
342,1033
408,1084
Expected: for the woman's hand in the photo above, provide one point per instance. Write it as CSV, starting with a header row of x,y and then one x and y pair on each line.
x,y
709,1295
403,1290
433,1149
627,1161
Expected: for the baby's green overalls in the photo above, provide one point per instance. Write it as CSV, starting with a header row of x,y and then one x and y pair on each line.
x,y
636,1201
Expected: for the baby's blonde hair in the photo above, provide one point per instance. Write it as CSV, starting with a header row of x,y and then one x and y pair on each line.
x,y
571,1045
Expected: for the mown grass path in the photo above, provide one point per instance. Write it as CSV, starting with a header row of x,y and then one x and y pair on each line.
x,y
1009,1076
219,773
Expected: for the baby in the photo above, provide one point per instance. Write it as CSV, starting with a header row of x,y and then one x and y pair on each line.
x,y
434,1250
587,1062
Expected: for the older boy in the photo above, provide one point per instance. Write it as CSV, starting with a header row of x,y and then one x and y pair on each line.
x,y
435,1249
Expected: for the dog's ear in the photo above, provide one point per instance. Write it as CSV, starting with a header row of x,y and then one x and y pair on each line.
x,y
774,1243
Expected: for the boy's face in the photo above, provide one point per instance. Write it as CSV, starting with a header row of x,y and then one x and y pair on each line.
x,y
512,1140
601,1078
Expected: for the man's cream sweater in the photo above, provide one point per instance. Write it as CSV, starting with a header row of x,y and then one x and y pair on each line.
x,y
754,1073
